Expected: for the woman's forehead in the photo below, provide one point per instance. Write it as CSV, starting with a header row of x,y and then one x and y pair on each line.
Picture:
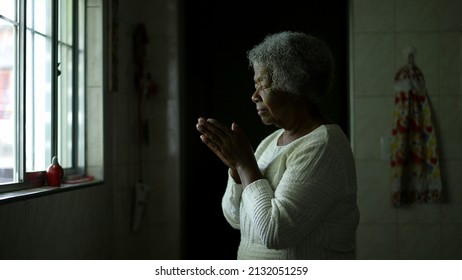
x,y
260,74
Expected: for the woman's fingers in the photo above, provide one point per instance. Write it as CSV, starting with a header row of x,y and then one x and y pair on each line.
x,y
218,128
218,132
215,149
225,142
204,129
214,130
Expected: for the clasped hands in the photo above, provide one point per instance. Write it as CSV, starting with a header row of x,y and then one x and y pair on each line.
x,y
230,144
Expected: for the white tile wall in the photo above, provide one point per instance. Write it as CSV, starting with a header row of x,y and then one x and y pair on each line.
x,y
420,241
95,51
451,241
450,120
377,242
452,179
160,157
450,63
449,18
374,193
373,119
419,214
416,15
94,143
373,15
373,64
434,28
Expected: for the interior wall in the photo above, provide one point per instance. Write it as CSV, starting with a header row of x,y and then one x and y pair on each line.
x,y
96,222
154,160
380,30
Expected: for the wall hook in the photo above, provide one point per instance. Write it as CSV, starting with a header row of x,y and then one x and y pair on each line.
x,y
410,52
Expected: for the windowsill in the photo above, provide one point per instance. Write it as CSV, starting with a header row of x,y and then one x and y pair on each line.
x,y
34,192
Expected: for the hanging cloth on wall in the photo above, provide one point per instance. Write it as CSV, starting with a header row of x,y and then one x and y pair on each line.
x,y
414,151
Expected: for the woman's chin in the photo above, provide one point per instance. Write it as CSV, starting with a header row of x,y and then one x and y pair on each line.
x,y
265,121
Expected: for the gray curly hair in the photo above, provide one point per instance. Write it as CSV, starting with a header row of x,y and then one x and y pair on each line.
x,y
297,63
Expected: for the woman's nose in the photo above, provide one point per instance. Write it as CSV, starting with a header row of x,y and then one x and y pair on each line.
x,y
256,96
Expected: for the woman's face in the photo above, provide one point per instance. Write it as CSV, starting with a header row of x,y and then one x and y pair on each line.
x,y
273,106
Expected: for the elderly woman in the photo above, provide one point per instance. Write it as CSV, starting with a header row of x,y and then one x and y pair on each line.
x,y
295,196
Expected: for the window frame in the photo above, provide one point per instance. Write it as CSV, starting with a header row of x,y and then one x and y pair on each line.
x,y
78,91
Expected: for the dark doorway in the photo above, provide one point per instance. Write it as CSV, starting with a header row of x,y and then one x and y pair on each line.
x,y
218,83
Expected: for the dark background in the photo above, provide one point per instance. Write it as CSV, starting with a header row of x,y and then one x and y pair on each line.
x,y
218,83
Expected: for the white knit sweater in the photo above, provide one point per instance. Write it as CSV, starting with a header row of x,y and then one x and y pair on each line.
x,y
305,208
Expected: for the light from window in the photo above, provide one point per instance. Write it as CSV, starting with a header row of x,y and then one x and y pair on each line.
x,y
8,114
41,86
38,85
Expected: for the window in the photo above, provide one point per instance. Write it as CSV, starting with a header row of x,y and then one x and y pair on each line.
x,y
42,85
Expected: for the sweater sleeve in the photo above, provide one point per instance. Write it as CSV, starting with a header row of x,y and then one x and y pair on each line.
x,y
231,202
303,197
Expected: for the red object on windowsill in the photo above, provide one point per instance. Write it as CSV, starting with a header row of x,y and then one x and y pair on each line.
x,y
78,179
36,179
55,173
